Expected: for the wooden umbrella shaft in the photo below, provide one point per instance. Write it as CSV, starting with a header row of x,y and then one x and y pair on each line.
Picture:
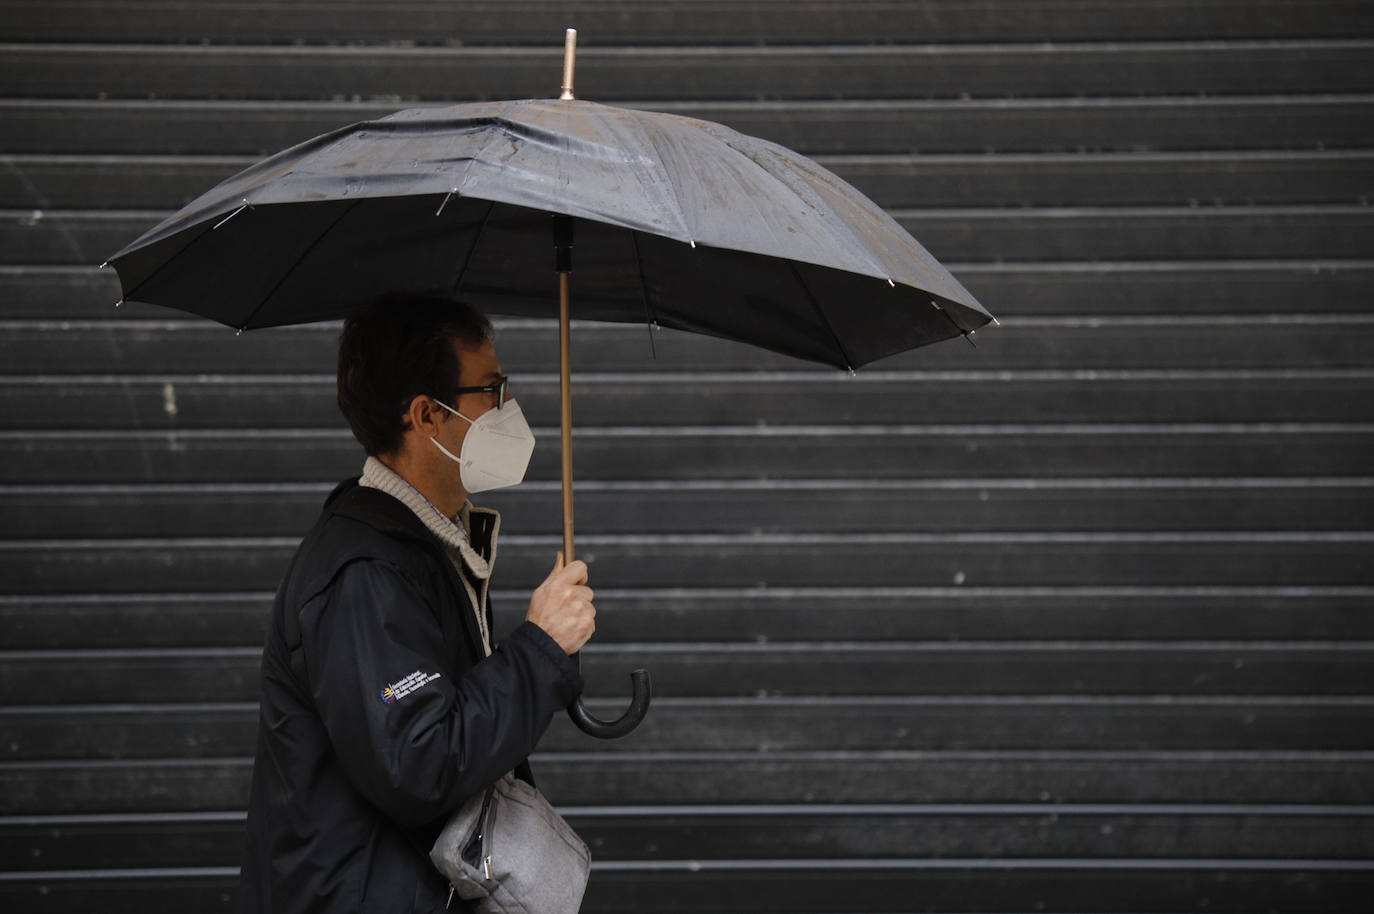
x,y
565,395
563,246
640,687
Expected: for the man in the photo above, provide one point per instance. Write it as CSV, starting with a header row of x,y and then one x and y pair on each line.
x,y
384,705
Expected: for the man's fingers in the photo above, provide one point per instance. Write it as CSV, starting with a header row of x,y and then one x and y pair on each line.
x,y
562,606
575,572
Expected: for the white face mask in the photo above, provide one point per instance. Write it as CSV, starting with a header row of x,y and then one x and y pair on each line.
x,y
497,449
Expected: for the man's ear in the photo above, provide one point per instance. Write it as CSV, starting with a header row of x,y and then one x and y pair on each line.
x,y
423,416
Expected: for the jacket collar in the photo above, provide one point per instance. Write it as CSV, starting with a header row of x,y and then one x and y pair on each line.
x,y
385,514
476,552
378,510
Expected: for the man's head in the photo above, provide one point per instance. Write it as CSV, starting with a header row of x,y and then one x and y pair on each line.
x,y
415,376
402,347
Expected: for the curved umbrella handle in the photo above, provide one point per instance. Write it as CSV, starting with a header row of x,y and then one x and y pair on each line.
x,y
639,679
614,729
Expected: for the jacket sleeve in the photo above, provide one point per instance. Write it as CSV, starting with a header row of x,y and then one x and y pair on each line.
x,y
412,740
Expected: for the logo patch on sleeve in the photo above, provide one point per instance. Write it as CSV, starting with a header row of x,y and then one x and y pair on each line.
x,y
404,686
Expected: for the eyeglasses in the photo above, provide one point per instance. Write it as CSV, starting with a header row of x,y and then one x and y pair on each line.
x,y
499,388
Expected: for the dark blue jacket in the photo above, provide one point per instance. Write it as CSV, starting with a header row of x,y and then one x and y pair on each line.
x,y
380,715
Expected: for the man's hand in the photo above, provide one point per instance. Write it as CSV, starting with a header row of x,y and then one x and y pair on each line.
x,y
562,605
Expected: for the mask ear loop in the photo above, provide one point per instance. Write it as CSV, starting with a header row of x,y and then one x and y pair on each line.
x,y
446,451
454,411
432,438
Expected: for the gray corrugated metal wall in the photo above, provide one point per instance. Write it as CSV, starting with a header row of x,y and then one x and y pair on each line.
x,y
1078,620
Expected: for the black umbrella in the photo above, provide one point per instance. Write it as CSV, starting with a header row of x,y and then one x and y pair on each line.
x,y
681,223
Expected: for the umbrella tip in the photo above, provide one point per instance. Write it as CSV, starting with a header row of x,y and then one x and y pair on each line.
x,y
451,192
246,205
118,303
103,265
569,63
891,283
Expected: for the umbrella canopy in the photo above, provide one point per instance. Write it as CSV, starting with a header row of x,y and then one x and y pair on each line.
x,y
680,222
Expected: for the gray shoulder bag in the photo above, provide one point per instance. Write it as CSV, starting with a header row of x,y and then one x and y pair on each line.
x,y
511,853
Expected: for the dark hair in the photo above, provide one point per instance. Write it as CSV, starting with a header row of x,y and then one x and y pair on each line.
x,y
395,348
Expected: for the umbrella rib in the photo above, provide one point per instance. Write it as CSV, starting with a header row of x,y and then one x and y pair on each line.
x,y
796,274
314,144
472,248
950,317
165,264
671,205
649,317
500,126
802,189
299,260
